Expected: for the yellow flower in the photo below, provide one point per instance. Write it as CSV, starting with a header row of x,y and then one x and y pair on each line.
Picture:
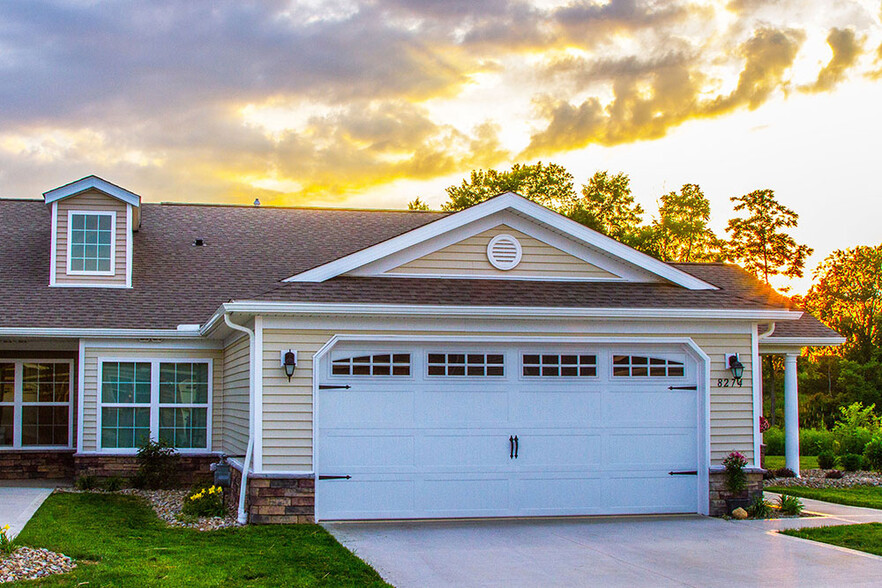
x,y
5,528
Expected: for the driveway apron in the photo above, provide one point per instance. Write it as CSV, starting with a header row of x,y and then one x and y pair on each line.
x,y
604,551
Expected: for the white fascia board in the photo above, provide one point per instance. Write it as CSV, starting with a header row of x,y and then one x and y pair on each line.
x,y
258,307
92,183
97,333
766,345
512,201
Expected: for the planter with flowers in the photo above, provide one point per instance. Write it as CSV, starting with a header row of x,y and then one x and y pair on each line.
x,y
736,481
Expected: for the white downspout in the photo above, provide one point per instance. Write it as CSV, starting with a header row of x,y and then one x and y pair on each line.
x,y
242,516
769,332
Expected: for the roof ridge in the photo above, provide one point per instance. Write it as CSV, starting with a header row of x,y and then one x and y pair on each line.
x,y
282,207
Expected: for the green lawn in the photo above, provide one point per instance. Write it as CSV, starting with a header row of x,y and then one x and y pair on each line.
x,y
119,541
867,496
806,462
867,537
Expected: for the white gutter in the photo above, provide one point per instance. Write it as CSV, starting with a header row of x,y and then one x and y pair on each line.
x,y
532,312
242,516
99,333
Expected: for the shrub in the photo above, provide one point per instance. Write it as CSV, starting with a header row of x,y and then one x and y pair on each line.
x,y
790,505
826,460
774,440
784,473
855,428
206,502
833,475
113,483
736,479
850,462
157,466
759,508
873,453
86,483
768,475
816,441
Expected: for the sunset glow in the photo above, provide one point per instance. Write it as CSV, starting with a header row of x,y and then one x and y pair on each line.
x,y
371,104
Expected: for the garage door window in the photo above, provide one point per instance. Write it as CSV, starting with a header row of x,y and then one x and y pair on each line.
x,y
641,366
555,365
466,364
383,364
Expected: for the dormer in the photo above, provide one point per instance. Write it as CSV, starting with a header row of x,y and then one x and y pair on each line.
x,y
92,226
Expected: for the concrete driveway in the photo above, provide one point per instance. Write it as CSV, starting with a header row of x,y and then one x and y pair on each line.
x,y
19,501
607,551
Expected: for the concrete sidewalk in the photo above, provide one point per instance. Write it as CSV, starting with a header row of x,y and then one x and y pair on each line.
x,y
19,502
828,514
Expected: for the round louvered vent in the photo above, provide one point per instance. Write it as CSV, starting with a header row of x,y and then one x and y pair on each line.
x,y
504,252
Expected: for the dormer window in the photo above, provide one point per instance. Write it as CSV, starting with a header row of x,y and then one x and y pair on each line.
x,y
91,243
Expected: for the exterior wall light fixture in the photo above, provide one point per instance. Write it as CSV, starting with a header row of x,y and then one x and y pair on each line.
x,y
289,362
734,365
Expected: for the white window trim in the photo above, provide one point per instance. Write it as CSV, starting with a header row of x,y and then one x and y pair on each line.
x,y
112,215
154,404
372,354
17,404
596,365
484,364
648,357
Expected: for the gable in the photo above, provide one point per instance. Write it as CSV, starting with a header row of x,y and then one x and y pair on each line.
x,y
516,212
469,258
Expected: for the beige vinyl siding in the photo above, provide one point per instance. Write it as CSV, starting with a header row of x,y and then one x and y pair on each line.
x,y
91,201
91,387
287,407
469,257
235,397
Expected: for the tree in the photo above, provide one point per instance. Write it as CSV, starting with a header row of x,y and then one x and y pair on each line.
x,y
847,296
550,185
681,231
759,243
417,204
607,206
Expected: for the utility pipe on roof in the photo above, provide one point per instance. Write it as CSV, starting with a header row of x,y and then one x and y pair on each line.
x,y
242,516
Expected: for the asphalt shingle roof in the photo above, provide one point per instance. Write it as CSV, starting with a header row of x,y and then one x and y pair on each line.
x,y
248,250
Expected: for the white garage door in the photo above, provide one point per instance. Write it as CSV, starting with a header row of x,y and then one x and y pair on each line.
x,y
446,430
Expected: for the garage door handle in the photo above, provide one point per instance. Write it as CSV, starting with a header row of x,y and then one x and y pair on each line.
x,y
516,446
334,387
682,387
510,447
334,477
684,473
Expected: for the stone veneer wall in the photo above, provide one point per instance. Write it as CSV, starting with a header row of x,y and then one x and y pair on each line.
x,y
275,500
36,465
719,493
192,468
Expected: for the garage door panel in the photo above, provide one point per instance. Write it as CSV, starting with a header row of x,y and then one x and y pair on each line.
x,y
464,495
561,448
366,408
540,406
351,451
470,406
661,493
638,449
625,408
366,498
464,449
562,495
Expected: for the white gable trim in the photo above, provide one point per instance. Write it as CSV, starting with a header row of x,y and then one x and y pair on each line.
x,y
510,201
92,183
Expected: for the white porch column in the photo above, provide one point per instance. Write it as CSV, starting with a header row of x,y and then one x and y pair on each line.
x,y
791,414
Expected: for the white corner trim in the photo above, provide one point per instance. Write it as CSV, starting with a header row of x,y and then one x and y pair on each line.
x,y
81,392
511,201
129,245
756,372
53,253
112,215
258,394
91,183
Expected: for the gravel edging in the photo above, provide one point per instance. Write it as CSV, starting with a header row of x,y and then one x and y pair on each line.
x,y
816,479
167,505
28,563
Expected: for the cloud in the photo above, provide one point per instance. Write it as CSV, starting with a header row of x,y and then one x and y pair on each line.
x,y
846,50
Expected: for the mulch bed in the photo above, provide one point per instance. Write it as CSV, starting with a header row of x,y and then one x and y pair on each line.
x,y
27,563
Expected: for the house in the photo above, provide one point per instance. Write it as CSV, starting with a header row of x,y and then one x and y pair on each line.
x,y
498,361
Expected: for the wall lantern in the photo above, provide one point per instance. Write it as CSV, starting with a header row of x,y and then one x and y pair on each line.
x,y
736,366
289,362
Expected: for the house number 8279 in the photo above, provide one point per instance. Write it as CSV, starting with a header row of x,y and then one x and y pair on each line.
x,y
728,383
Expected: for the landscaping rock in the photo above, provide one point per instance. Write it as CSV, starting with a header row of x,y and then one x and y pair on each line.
x,y
27,563
818,479
739,513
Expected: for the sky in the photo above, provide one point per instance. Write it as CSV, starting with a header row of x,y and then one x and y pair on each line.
x,y
371,104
